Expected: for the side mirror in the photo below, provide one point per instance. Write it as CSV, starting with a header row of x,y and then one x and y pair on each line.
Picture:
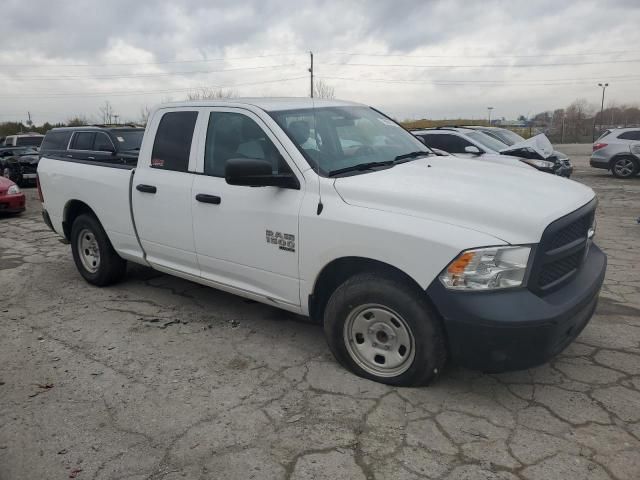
x,y
251,172
422,139
472,149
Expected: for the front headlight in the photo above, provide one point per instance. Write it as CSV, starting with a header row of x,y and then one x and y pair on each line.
x,y
13,189
538,163
487,269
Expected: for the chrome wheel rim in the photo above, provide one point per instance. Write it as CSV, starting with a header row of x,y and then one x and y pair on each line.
x,y
6,173
624,167
88,250
379,340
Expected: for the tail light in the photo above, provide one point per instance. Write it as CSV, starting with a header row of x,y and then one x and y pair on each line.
x,y
598,146
39,189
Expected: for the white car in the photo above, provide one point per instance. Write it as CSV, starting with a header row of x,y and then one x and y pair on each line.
x,y
475,142
30,139
331,209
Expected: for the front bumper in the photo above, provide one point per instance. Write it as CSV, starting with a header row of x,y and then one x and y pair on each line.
x,y
12,203
517,329
564,171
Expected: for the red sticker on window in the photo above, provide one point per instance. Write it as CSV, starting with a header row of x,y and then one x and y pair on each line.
x,y
157,162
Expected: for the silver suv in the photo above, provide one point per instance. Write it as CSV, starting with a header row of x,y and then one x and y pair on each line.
x,y
618,150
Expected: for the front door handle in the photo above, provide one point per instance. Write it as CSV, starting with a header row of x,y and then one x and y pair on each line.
x,y
204,198
146,188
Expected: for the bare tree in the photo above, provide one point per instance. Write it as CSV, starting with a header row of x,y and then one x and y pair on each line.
x,y
77,121
207,93
577,120
106,112
145,110
323,90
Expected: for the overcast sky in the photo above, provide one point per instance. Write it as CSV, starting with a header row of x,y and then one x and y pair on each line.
x,y
412,59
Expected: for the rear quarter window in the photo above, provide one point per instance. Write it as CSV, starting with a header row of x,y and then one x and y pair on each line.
x,y
55,141
631,135
28,141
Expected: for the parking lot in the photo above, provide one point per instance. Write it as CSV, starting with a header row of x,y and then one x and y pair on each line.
x,y
160,378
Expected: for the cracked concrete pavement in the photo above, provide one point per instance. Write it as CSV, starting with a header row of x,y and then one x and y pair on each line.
x,y
160,378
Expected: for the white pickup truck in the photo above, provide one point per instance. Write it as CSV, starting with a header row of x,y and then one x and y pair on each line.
x,y
330,209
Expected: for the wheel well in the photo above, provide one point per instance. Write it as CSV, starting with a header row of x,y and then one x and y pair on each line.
x,y
72,210
338,271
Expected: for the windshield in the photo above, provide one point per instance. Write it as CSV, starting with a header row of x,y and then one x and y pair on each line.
x,y
506,136
129,139
30,141
487,141
335,138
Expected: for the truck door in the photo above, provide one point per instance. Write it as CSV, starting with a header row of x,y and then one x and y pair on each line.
x,y
245,237
161,192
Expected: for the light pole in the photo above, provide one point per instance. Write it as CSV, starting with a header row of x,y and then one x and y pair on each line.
x,y
489,109
604,87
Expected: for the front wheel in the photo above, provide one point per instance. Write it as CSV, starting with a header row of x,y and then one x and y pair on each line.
x,y
93,254
624,167
384,330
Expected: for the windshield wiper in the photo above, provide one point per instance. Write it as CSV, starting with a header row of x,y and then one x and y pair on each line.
x,y
416,154
361,167
388,163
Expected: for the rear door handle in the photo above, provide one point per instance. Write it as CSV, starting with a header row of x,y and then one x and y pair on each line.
x,y
146,188
204,198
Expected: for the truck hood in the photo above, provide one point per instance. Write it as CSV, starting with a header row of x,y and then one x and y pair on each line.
x,y
512,204
539,145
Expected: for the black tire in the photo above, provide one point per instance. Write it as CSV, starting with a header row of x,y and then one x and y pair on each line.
x,y
624,167
110,268
372,290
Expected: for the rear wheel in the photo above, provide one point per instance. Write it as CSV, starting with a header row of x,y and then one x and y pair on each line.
x,y
624,167
384,330
93,254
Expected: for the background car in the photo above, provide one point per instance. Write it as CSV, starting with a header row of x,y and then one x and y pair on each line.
x,y
30,139
11,198
19,164
464,141
509,137
94,143
617,150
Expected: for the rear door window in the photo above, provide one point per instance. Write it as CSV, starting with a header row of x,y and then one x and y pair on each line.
x,y
83,141
172,145
103,143
632,135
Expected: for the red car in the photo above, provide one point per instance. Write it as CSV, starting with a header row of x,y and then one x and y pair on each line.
x,y
11,198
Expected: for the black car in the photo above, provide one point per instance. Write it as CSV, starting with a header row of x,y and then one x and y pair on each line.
x,y
95,143
19,164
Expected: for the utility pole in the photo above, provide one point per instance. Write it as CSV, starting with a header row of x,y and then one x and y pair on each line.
x,y
311,72
489,109
29,122
116,117
562,135
604,87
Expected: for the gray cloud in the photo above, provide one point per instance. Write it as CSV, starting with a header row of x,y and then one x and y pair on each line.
x,y
119,31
